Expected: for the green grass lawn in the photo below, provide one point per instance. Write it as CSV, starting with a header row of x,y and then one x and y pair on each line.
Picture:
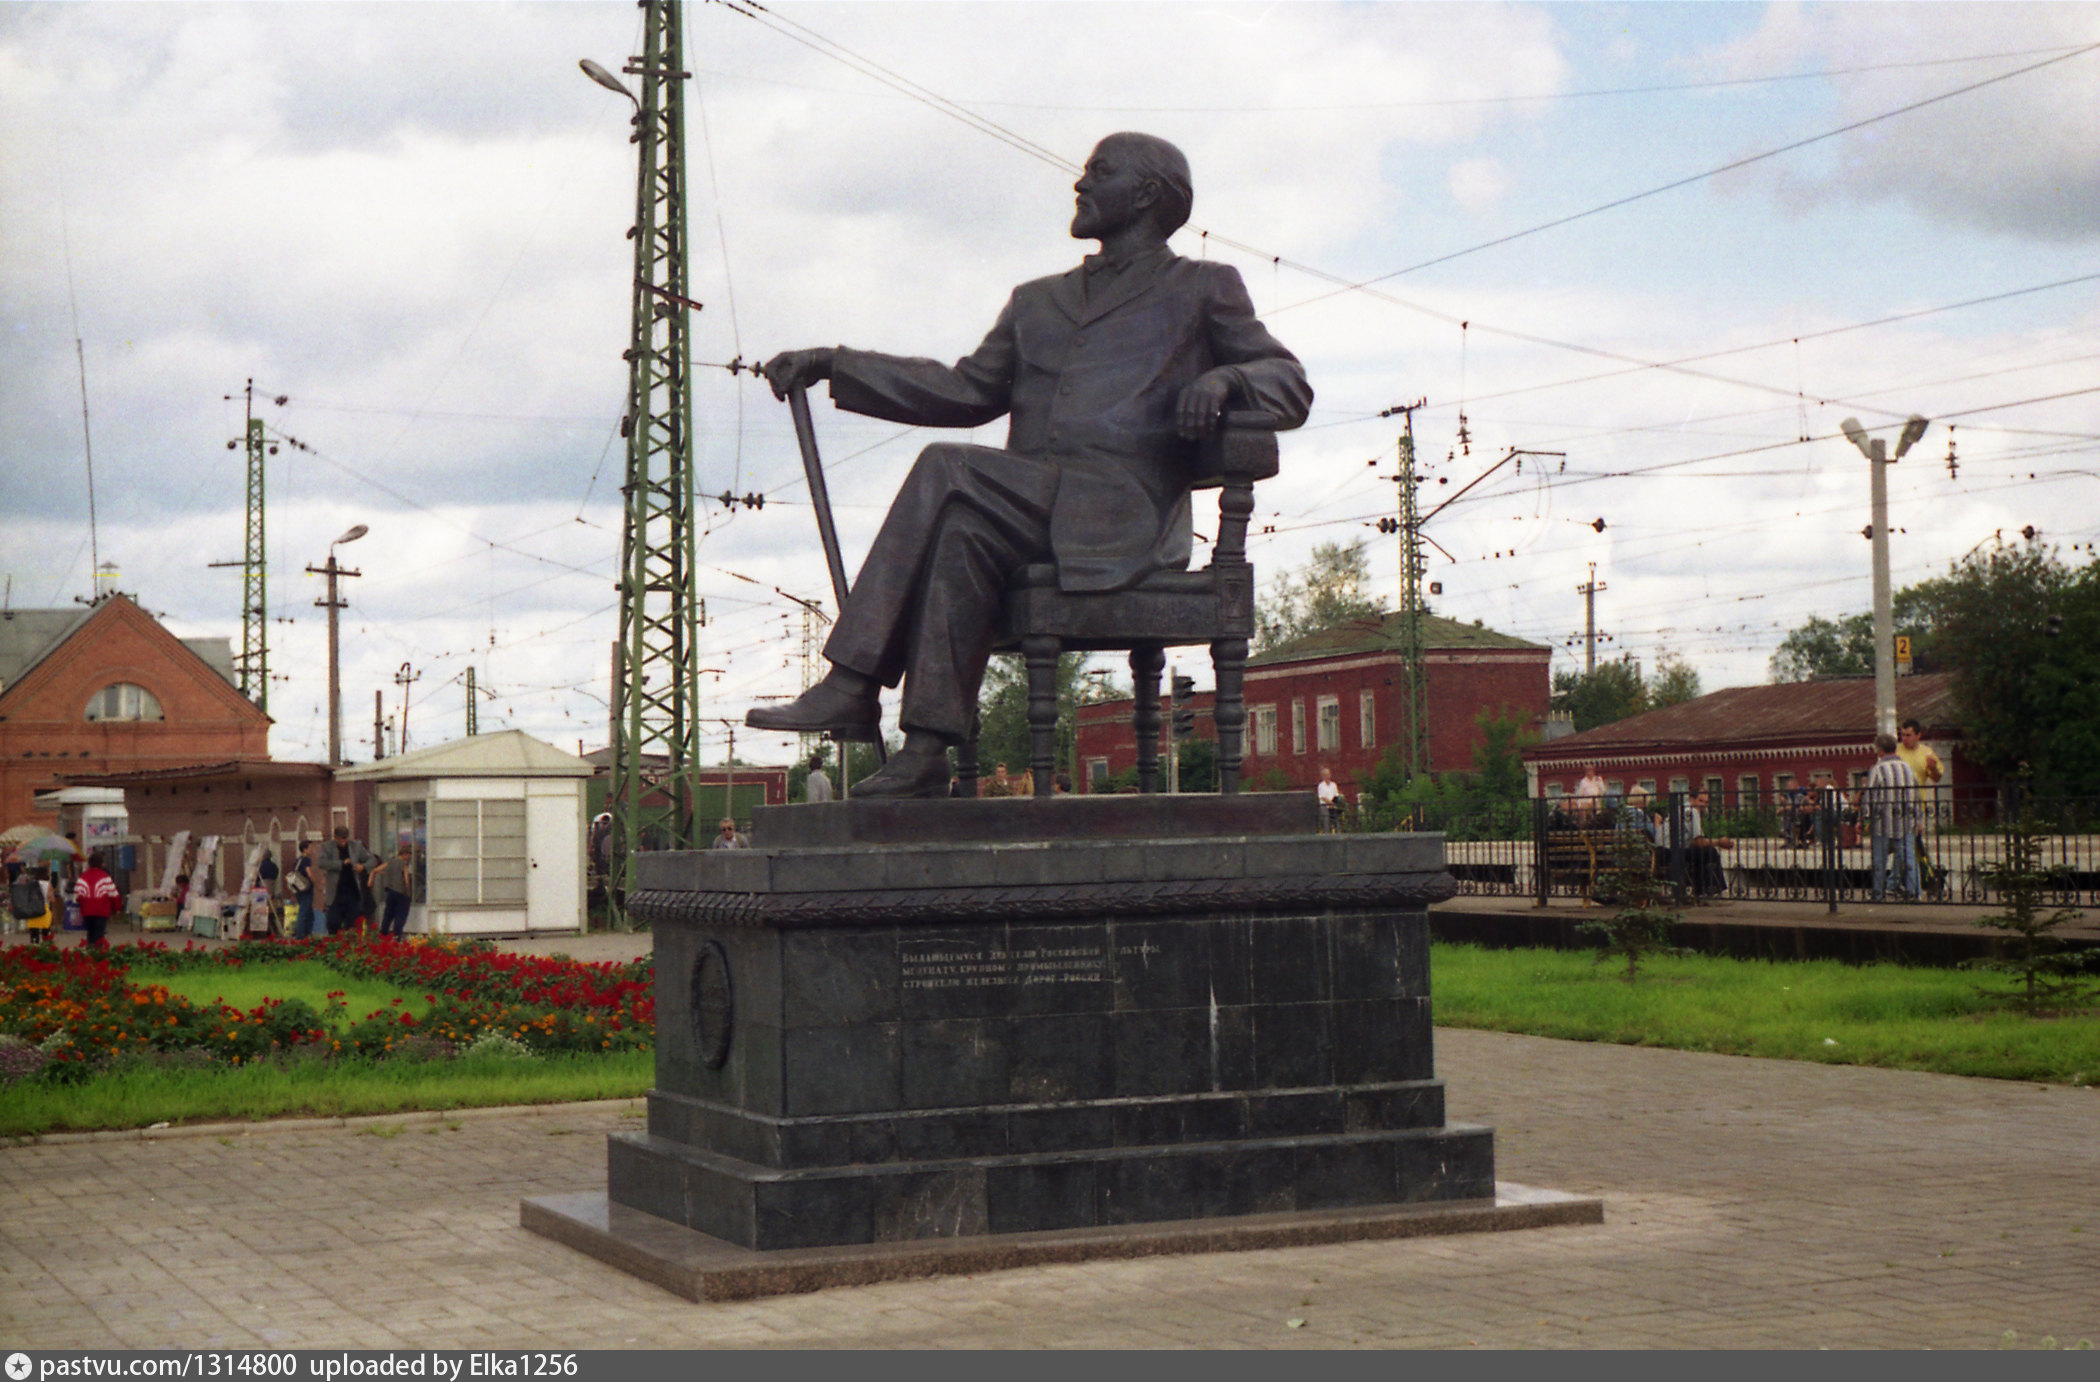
x,y
1902,1017
141,1096
247,986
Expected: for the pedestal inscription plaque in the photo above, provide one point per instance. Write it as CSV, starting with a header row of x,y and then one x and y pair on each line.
x,y
863,1043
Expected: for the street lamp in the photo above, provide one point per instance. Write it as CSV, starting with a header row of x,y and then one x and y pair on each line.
x,y
606,79
332,603
1875,449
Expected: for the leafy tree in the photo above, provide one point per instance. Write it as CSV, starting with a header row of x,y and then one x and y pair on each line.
x,y
1333,588
1002,711
1612,692
1199,765
1498,759
1487,803
1826,648
2020,631
1845,647
1673,682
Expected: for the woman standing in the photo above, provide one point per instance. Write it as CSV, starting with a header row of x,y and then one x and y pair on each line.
x,y
395,890
38,925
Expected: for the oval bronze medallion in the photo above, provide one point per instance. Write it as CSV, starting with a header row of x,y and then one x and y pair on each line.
x,y
714,1004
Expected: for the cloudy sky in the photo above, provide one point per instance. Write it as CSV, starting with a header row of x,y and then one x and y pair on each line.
x,y
1678,243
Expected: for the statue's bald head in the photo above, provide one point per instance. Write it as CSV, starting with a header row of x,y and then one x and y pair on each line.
x,y
1154,157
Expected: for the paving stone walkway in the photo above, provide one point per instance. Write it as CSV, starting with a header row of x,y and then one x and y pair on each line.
x,y
1748,1203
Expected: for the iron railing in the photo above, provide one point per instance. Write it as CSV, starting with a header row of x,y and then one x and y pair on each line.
x,y
1813,847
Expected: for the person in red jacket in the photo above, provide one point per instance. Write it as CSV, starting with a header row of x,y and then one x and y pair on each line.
x,y
97,894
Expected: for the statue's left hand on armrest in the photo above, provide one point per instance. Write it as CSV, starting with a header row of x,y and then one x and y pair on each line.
x,y
1201,404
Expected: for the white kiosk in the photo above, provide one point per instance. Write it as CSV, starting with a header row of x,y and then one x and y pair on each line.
x,y
497,821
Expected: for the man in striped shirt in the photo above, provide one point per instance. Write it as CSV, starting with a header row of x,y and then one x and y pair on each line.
x,y
1889,801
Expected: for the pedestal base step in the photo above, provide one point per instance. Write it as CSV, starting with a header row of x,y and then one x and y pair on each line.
x,y
698,1267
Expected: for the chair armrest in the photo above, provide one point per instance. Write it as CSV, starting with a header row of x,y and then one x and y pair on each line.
x,y
1242,449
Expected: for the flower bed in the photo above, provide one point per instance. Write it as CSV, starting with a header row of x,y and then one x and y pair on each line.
x,y
82,1009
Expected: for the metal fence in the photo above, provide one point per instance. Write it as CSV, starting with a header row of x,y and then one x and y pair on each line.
x,y
1813,847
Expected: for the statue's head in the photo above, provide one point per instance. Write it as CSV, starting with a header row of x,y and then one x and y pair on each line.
x,y
1131,175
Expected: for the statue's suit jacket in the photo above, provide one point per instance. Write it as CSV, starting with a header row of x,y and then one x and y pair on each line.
x,y
1090,385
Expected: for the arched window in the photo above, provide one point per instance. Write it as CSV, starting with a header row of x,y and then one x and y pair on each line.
x,y
123,701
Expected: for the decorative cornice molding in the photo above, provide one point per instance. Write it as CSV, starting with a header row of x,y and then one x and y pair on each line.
x,y
898,906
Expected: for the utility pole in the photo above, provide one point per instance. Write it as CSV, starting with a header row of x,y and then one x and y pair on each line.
x,y
655,690
1409,526
1588,591
253,665
473,709
1876,451
405,678
333,602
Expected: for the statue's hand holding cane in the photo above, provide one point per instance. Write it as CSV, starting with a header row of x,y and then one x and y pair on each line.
x,y
797,369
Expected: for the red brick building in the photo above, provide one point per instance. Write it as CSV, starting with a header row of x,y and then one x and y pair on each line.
x,y
1339,697
106,689
1749,741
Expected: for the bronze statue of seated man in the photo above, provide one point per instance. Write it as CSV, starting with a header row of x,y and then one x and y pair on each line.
x,y
1110,374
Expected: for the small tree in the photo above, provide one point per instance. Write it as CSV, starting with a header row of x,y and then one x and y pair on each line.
x,y
1330,590
1641,927
1612,692
2047,973
1673,682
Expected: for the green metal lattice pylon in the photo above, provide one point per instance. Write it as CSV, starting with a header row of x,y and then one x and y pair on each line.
x,y
1411,606
252,667
655,692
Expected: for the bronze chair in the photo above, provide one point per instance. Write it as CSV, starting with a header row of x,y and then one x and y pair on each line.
x,y
1169,609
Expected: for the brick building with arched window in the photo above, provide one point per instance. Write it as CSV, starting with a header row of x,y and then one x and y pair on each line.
x,y
104,688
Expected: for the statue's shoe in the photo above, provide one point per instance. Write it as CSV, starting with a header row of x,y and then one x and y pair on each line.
x,y
823,709
907,774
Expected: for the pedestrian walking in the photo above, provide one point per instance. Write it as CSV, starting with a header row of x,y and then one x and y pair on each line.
x,y
97,895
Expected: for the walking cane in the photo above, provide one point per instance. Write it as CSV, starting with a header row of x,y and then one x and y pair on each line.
x,y
820,499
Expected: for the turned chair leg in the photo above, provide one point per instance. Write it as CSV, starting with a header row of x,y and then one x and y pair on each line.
x,y
966,763
1146,662
1229,711
1040,654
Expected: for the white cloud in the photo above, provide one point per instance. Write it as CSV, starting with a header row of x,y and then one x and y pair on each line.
x,y
2015,157
1477,184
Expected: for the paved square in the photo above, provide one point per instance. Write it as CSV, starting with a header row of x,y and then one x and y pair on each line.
x,y
1747,1202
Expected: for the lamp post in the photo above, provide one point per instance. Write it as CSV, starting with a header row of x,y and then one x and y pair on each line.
x,y
332,603
1875,449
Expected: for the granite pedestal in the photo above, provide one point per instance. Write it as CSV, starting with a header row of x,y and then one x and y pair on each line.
x,y
1167,1011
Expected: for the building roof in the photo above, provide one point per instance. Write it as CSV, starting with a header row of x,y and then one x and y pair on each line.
x,y
28,636
233,767
1800,712
1382,634
507,753
217,654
